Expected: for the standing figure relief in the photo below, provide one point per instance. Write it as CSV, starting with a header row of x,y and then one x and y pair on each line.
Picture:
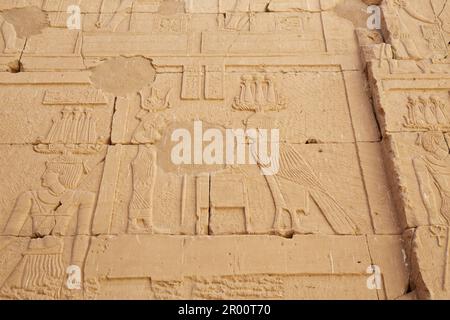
x,y
51,210
9,35
433,173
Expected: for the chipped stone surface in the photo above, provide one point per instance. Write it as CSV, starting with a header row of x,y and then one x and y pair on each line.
x,y
122,76
26,21
93,205
408,68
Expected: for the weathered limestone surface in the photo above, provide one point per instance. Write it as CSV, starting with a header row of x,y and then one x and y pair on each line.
x,y
93,206
408,71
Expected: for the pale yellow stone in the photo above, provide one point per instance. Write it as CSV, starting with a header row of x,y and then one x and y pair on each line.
x,y
91,197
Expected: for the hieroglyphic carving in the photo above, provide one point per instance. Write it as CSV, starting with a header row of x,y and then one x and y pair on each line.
x,y
434,38
260,286
302,6
240,18
74,97
442,235
171,24
75,130
192,82
214,78
207,80
148,130
41,270
290,23
152,102
202,186
111,23
426,113
259,93
249,43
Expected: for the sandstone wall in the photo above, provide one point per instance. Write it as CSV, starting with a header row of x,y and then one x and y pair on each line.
x,y
92,205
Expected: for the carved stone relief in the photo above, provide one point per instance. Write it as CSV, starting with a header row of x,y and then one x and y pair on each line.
x,y
56,216
416,39
9,36
95,203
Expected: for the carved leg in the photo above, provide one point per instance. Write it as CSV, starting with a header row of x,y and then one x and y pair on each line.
x,y
399,50
281,207
412,50
9,35
120,15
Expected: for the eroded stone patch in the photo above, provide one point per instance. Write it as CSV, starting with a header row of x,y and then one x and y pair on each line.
x,y
27,21
121,76
14,66
354,11
348,215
